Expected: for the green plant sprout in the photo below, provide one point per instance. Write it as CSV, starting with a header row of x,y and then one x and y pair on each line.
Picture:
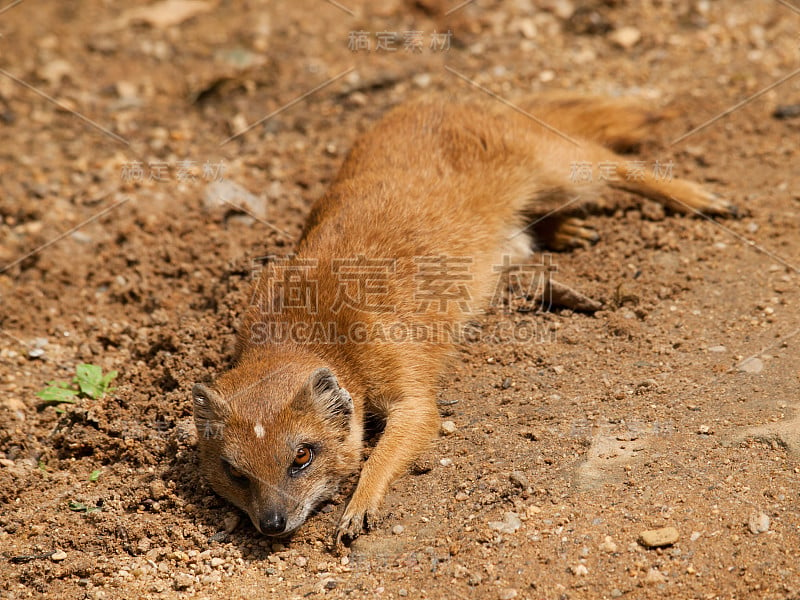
x,y
89,382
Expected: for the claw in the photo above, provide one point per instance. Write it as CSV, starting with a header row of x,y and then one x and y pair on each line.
x,y
566,233
717,205
350,527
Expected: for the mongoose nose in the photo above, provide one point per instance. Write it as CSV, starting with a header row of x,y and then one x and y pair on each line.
x,y
272,523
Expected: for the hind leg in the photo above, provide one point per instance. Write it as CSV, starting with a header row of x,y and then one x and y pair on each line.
x,y
588,128
564,233
680,195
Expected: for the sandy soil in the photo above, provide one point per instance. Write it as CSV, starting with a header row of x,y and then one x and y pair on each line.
x,y
674,406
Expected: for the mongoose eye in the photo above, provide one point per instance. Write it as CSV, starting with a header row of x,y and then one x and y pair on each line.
x,y
302,458
235,474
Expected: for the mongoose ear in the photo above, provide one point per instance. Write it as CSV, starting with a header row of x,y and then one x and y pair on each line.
x,y
209,405
324,394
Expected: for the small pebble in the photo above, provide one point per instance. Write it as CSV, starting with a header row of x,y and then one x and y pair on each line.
x,y
58,556
506,383
547,75
656,538
527,28
358,99
54,71
422,80
448,427
519,479
446,462
654,576
510,523
231,521
580,570
157,489
625,37
758,522
182,581
398,529
227,195
717,349
608,545
217,562
126,89
787,111
532,510
751,365
300,561
507,594
36,353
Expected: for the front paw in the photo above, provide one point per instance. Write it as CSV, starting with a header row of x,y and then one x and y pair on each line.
x,y
353,523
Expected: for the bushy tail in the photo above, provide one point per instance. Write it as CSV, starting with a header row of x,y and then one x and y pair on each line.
x,y
618,124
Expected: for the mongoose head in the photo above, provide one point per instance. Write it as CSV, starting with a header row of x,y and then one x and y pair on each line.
x,y
277,445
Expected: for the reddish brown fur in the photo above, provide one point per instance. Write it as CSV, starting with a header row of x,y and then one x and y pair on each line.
x,y
431,178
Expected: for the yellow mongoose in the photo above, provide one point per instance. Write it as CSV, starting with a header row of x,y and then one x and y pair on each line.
x,y
431,181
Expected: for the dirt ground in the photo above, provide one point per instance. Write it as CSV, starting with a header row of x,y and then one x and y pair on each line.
x,y
676,405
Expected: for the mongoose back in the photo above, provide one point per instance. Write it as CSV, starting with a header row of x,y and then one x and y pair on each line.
x,y
432,181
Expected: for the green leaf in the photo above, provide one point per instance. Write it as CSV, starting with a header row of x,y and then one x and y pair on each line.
x,y
92,382
107,380
90,379
58,394
95,475
62,384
